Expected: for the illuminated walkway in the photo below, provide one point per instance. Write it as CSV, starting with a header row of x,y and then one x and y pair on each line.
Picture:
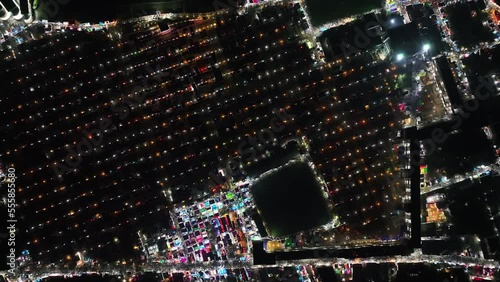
x,y
416,257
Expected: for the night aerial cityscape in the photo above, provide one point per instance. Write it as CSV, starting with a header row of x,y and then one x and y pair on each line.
x,y
250,140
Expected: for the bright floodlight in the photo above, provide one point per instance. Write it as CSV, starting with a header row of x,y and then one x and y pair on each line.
x,y
399,57
393,21
427,47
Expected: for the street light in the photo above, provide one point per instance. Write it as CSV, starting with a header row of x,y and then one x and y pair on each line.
x,y
400,57
426,47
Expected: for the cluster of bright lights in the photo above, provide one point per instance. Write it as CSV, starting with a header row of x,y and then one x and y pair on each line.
x,y
186,138
197,225
164,144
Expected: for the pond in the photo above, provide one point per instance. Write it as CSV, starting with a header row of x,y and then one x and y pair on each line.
x,y
290,200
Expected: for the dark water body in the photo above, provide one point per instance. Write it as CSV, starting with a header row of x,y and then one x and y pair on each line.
x,y
97,11
290,200
321,11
